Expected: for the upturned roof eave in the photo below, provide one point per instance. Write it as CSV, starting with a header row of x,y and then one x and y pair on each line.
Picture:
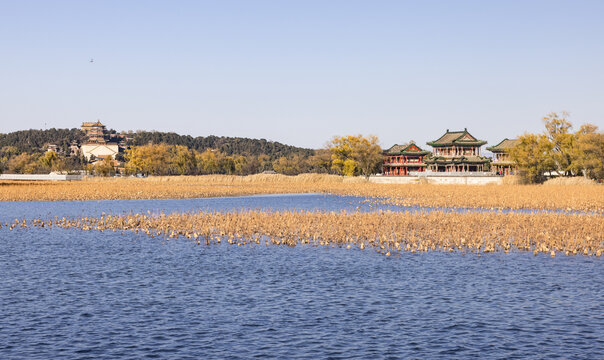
x,y
469,143
408,153
457,160
404,150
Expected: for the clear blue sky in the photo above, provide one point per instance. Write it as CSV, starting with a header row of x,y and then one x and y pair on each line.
x,y
300,72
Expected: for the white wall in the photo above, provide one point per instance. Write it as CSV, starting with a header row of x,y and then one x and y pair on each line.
x,y
39,177
438,180
99,150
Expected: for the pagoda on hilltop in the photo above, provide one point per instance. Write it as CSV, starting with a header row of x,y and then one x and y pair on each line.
x,y
502,162
99,143
96,132
402,159
457,151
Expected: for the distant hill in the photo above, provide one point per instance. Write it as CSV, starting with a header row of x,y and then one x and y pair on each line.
x,y
228,145
31,141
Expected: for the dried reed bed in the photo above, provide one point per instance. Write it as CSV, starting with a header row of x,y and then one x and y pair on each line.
x,y
565,197
386,232
577,180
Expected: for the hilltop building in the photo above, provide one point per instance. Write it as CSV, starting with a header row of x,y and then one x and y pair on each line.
x,y
96,132
74,148
99,142
457,151
53,148
402,159
88,126
502,163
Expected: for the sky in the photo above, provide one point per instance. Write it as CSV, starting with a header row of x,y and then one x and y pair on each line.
x,y
301,72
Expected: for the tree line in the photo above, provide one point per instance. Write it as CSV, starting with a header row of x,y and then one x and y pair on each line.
x,y
163,159
25,152
559,151
35,141
227,145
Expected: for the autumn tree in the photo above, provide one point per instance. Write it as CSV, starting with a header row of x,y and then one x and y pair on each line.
x,y
227,165
184,159
320,162
352,155
291,165
588,153
251,165
562,139
104,167
208,162
49,159
24,163
264,163
150,159
533,157
559,150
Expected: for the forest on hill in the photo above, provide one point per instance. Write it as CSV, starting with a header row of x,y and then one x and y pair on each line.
x,y
226,145
25,151
35,141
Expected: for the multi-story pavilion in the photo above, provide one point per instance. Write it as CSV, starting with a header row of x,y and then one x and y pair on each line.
x,y
502,163
98,143
402,159
456,151
95,132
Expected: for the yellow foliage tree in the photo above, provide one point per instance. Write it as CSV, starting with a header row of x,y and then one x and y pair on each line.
x,y
353,155
320,162
558,150
156,159
184,159
288,165
24,163
208,162
588,154
105,167
49,159
533,157
563,141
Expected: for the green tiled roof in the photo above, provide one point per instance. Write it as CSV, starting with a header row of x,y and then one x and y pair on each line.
x,y
405,150
505,145
458,138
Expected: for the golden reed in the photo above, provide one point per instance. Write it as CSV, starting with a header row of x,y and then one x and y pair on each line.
x,y
565,197
386,232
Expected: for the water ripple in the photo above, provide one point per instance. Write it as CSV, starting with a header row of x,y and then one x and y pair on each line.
x,y
73,294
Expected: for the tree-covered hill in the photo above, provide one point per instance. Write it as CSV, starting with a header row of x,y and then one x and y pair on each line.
x,y
227,145
33,141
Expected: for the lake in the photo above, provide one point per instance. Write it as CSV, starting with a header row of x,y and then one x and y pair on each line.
x,y
87,294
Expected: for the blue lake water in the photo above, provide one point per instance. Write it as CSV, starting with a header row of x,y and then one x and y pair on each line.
x,y
9,211
76,294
